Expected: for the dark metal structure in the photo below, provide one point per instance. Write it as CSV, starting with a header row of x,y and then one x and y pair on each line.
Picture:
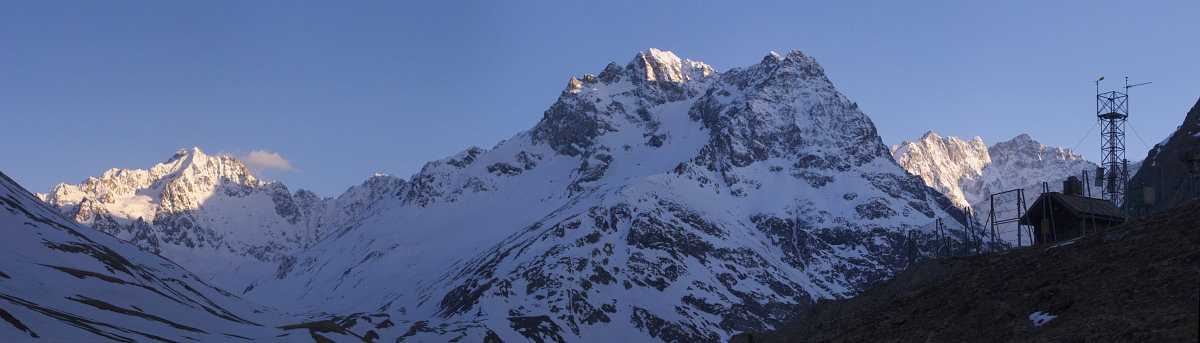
x,y
1112,109
1060,217
1016,195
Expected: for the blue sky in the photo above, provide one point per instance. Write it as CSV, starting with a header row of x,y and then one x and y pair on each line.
x,y
343,90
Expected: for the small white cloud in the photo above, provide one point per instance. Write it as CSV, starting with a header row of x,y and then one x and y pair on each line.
x,y
260,160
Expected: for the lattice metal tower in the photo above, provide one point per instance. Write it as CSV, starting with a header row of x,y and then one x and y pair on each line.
x,y
1112,108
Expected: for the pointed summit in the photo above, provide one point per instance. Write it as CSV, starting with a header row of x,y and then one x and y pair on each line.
x,y
658,65
1022,142
773,56
930,135
794,59
181,153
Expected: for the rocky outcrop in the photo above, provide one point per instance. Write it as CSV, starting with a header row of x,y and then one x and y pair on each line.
x,y
1166,171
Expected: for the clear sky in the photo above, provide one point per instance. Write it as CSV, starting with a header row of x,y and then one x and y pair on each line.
x,y
343,90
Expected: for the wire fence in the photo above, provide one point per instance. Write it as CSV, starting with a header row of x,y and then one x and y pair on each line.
x,y
1158,189
988,225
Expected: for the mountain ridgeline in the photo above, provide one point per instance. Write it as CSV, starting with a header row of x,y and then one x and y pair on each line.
x,y
969,171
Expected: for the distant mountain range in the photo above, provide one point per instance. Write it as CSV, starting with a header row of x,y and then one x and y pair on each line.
x,y
659,199
656,200
968,172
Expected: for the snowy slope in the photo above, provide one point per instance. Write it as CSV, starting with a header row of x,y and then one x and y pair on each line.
x,y
659,200
63,282
210,214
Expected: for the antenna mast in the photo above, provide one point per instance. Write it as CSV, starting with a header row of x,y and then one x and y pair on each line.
x,y
1112,109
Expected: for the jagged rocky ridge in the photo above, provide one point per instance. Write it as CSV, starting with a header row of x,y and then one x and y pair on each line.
x,y
969,171
659,200
64,282
211,215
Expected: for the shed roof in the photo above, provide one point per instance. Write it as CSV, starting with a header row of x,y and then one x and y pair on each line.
x,y
1076,205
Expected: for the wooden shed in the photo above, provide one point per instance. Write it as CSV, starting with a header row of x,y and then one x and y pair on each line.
x,y
1058,217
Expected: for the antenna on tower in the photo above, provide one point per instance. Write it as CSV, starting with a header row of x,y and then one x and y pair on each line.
x,y
1112,109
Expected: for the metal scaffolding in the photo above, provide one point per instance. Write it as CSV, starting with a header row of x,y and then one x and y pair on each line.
x,y
1112,109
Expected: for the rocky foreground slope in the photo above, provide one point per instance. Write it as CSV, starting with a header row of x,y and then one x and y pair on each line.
x,y
1134,283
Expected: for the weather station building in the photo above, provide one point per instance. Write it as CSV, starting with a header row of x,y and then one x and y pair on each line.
x,y
1062,216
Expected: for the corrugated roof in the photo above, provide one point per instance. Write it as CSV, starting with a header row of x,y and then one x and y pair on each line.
x,y
1078,206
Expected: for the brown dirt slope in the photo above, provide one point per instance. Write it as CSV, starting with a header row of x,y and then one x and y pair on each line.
x,y
1136,282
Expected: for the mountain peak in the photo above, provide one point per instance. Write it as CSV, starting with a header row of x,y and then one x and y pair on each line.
x,y
658,65
797,55
773,56
930,135
794,59
1021,142
195,154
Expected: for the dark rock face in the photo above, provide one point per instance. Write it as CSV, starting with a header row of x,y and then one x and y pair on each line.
x,y
435,179
825,132
569,125
538,329
1165,170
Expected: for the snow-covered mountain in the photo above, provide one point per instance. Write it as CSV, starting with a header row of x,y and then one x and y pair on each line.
x,y
968,172
1022,162
947,164
211,215
63,282
659,200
